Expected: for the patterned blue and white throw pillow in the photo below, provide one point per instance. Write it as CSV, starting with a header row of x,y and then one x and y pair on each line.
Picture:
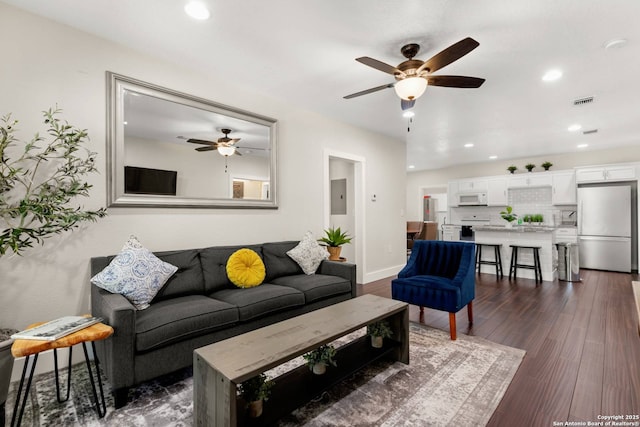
x,y
136,273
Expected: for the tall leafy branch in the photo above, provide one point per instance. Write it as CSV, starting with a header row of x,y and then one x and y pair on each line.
x,y
38,184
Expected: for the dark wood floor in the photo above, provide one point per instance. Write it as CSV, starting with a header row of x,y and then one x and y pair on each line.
x,y
582,343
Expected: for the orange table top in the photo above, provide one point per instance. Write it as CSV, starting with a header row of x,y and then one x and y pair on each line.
x,y
96,332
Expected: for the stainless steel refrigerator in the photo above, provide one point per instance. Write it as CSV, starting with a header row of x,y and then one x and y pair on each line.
x,y
606,230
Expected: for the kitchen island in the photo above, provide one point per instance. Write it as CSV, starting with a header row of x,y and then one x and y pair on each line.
x,y
542,236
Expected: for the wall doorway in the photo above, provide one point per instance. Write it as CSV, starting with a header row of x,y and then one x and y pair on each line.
x,y
344,203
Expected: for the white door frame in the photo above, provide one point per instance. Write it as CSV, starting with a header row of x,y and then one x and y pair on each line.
x,y
359,167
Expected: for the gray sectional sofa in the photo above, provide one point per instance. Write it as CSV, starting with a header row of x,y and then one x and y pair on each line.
x,y
198,306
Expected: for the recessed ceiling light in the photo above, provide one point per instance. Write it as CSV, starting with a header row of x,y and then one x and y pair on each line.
x,y
575,127
552,75
197,10
408,114
469,145
412,166
615,43
493,157
583,145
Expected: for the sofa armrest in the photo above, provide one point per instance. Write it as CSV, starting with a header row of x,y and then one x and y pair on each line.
x,y
117,353
341,269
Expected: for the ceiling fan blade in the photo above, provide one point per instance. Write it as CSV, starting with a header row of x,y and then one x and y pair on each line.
x,y
200,141
373,89
450,54
455,81
237,153
209,148
407,105
378,65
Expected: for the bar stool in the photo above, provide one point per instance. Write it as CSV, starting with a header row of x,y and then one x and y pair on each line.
x,y
496,252
513,269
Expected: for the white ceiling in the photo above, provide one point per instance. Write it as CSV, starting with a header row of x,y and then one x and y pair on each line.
x,y
303,52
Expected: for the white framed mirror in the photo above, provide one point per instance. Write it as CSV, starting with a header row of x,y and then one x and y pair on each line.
x,y
170,149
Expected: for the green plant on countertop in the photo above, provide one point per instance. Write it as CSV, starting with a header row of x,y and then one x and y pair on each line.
x,y
546,165
537,218
38,181
529,166
526,218
335,237
323,354
508,215
256,388
512,168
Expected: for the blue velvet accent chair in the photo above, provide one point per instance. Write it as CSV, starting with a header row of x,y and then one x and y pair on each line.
x,y
439,275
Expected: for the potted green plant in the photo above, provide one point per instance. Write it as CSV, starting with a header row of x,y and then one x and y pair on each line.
x,y
318,359
529,166
508,215
526,218
537,219
378,331
512,168
334,238
546,165
39,179
255,391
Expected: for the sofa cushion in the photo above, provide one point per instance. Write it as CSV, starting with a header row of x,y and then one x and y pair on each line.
x,y
277,262
188,280
214,265
180,318
260,300
136,273
315,287
308,254
245,268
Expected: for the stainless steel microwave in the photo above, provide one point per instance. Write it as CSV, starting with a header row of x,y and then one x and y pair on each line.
x,y
472,199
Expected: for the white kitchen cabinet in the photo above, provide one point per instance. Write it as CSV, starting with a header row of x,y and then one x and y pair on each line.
x,y
452,194
541,179
606,173
564,188
472,185
497,192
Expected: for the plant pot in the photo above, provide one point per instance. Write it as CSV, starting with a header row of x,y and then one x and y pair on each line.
x,y
376,342
6,366
334,252
319,368
255,408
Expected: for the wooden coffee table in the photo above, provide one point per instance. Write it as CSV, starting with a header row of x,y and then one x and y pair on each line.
x,y
220,367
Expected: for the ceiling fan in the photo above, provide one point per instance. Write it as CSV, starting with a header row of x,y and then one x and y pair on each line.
x,y
413,75
224,145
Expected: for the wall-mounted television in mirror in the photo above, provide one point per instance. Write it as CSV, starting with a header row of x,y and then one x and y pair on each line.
x,y
167,148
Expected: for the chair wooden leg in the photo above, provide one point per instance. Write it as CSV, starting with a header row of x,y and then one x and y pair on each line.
x,y
452,325
470,312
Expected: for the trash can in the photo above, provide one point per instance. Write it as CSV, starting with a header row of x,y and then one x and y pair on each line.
x,y
568,262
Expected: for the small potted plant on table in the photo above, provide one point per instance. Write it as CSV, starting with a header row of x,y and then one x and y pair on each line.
x,y
334,239
378,331
255,391
318,359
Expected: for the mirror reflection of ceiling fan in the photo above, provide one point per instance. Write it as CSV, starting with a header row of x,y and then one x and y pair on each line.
x,y
224,145
413,75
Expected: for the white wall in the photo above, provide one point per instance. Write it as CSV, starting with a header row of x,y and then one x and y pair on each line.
x,y
45,64
416,181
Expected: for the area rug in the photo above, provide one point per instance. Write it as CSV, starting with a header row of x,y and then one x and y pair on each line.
x,y
446,383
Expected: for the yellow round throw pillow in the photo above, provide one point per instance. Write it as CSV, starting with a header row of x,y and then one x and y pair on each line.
x,y
245,268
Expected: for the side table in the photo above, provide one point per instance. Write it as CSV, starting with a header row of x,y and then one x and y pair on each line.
x,y
28,348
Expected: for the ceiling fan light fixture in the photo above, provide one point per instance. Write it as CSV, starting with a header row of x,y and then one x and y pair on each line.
x,y
410,88
226,151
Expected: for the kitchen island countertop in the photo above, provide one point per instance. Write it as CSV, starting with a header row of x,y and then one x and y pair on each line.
x,y
516,228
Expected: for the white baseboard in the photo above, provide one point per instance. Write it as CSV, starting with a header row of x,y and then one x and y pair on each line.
x,y
382,274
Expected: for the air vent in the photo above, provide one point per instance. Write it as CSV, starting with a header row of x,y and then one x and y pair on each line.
x,y
590,131
583,101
